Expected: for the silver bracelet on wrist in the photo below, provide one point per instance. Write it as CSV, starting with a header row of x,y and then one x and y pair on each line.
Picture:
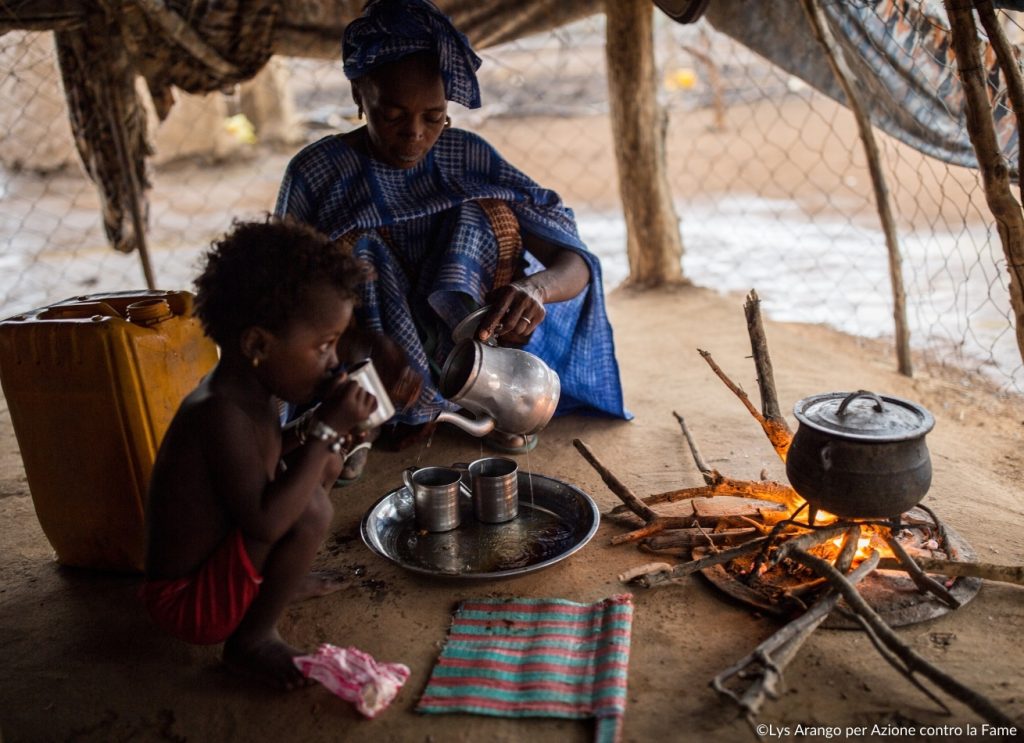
x,y
301,427
334,440
320,430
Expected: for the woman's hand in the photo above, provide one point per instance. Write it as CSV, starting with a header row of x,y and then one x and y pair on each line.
x,y
516,311
518,308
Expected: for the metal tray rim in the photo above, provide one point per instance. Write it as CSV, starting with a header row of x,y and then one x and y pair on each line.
x,y
364,533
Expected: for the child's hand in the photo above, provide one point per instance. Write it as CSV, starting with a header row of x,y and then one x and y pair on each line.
x,y
346,406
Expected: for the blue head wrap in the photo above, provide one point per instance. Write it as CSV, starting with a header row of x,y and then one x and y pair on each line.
x,y
391,29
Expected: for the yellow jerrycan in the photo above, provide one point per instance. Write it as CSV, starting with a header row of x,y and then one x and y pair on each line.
x,y
92,384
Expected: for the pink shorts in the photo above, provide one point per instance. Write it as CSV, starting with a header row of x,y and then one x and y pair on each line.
x,y
206,607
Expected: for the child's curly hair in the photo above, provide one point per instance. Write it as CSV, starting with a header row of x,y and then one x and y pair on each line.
x,y
260,272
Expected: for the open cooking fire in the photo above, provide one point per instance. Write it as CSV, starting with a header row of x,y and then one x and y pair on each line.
x,y
779,553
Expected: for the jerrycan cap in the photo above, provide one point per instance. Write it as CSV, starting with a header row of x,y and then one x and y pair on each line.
x,y
149,312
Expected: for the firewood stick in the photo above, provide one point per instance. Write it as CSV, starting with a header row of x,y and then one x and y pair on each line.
x,y
849,549
694,451
658,524
766,490
779,435
733,387
615,485
941,529
892,659
653,523
684,552
693,537
806,541
779,438
787,649
775,653
711,544
922,581
951,569
843,561
689,568
645,569
913,662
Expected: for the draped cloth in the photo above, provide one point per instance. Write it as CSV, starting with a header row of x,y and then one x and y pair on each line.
x,y
389,30
435,253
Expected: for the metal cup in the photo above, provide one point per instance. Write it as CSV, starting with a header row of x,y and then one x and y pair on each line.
x,y
495,483
365,373
435,496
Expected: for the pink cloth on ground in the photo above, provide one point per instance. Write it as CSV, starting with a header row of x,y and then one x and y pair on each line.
x,y
354,676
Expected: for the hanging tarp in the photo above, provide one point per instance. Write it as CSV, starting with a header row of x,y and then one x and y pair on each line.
x,y
900,52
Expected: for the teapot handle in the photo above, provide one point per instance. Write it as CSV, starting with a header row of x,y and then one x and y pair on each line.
x,y
860,393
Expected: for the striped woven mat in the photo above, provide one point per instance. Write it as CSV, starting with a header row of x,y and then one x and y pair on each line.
x,y
536,658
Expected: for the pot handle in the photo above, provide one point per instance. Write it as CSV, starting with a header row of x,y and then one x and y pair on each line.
x,y
826,458
860,393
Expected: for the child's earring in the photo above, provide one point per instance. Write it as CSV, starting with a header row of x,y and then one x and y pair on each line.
x,y
447,122
359,112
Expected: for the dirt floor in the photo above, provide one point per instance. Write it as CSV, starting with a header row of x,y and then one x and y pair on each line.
x,y
82,663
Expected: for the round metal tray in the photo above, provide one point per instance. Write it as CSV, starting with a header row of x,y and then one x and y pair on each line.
x,y
555,520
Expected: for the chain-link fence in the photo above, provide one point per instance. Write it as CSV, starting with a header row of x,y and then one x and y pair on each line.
x,y
771,184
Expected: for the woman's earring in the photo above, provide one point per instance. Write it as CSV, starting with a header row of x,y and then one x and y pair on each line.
x,y
359,112
255,362
447,122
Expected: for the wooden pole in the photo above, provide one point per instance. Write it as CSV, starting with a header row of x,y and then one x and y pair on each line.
x,y
995,174
1008,65
847,81
653,243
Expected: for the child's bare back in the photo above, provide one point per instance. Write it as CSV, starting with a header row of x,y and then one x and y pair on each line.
x,y
232,531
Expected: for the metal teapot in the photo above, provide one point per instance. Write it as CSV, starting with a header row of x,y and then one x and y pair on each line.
x,y
507,389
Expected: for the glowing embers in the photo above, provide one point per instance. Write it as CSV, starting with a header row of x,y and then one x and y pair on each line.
x,y
769,579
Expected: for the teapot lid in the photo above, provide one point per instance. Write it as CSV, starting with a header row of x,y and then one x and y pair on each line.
x,y
466,329
864,416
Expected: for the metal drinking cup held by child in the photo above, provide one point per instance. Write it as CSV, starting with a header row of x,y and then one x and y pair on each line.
x,y
365,373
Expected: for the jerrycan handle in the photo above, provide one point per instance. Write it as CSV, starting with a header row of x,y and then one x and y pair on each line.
x,y
79,311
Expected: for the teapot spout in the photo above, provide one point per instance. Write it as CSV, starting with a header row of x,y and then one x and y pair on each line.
x,y
480,427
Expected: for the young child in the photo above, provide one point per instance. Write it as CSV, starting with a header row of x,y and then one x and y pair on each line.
x,y
232,531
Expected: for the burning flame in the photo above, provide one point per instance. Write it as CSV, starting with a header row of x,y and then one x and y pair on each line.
x,y
822,518
863,546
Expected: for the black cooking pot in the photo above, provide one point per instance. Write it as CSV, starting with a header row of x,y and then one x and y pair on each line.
x,y
860,455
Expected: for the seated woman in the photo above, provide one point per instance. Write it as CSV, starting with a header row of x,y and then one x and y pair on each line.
x,y
448,224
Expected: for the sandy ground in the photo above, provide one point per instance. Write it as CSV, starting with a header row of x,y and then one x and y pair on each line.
x,y
82,663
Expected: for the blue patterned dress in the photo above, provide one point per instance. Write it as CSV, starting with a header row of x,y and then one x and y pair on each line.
x,y
435,253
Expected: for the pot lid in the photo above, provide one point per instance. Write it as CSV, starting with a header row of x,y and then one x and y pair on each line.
x,y
864,416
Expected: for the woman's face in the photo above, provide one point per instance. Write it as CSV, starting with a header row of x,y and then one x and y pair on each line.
x,y
405,110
